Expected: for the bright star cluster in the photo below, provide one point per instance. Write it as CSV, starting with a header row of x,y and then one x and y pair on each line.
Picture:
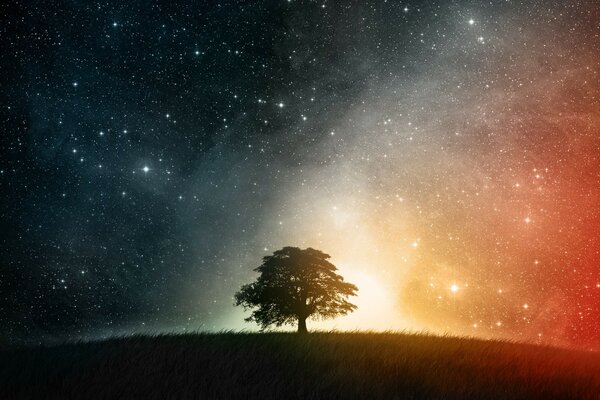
x,y
445,153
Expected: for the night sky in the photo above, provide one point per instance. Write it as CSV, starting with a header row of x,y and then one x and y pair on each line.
x,y
446,154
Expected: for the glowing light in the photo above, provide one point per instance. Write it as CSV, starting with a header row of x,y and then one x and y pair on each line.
x,y
145,169
375,302
454,288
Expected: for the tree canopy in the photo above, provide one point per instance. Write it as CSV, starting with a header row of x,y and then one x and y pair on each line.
x,y
294,285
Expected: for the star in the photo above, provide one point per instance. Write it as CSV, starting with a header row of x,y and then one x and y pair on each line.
x,y
437,162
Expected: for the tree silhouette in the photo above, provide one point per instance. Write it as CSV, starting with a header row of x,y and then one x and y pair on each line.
x,y
293,285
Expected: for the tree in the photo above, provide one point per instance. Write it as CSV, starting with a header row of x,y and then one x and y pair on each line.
x,y
293,285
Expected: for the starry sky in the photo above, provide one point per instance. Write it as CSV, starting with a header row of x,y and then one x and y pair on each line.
x,y
446,154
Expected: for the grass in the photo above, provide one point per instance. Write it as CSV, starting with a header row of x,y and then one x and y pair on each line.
x,y
291,366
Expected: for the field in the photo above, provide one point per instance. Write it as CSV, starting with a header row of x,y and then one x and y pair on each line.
x,y
291,366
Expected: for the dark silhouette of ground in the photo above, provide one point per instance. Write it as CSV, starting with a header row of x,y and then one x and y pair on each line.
x,y
291,366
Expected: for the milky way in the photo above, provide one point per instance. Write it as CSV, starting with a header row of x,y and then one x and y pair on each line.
x,y
446,154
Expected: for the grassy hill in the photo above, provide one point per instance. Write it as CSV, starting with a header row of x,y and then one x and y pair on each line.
x,y
291,366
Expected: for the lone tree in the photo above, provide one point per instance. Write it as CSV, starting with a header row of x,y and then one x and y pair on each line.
x,y
293,285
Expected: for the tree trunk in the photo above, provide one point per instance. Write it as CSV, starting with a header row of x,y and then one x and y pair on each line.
x,y
302,325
